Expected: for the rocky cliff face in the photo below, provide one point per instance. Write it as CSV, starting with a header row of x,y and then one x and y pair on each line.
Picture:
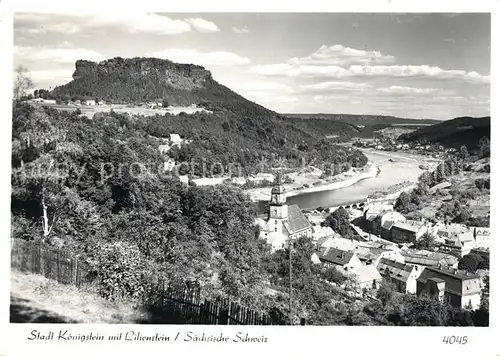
x,y
182,76
144,79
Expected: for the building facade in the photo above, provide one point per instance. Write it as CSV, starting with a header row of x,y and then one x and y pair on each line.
x,y
460,289
481,237
403,276
409,231
386,219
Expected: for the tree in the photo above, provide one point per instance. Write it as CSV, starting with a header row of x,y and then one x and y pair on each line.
x,y
485,294
46,166
484,147
402,204
470,262
484,263
333,275
426,242
339,221
22,83
463,216
463,153
386,293
426,179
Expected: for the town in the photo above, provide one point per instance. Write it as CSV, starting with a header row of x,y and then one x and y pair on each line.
x,y
303,181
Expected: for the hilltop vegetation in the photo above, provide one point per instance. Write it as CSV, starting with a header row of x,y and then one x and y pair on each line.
x,y
462,131
138,80
362,120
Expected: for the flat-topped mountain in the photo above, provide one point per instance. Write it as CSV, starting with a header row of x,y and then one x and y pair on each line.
x,y
134,80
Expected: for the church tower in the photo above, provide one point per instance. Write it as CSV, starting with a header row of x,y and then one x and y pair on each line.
x,y
278,208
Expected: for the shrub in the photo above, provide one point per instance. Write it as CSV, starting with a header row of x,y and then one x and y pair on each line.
x,y
120,270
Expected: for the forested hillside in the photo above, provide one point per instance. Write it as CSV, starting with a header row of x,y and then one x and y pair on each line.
x,y
454,133
96,187
363,120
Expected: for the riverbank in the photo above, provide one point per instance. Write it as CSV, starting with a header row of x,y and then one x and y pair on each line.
x,y
311,182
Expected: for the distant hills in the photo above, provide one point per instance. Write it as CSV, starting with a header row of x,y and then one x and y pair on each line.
x,y
139,80
452,133
364,120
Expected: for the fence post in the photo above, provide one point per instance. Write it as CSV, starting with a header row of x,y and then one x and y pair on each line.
x,y
57,264
75,272
224,316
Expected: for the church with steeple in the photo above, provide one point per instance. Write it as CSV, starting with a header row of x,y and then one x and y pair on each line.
x,y
285,221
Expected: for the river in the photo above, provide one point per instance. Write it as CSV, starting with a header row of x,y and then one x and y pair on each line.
x,y
404,168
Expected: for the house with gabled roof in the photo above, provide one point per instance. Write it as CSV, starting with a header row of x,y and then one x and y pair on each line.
x,y
373,255
403,276
384,221
461,243
409,231
428,259
460,289
344,261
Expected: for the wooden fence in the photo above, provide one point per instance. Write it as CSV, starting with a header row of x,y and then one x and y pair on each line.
x,y
166,304
52,263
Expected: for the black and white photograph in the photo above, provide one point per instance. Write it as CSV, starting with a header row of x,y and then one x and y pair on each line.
x,y
262,169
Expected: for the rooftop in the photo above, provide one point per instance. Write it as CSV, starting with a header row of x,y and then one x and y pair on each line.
x,y
387,225
394,269
336,256
296,220
413,226
453,273
367,274
456,282
395,264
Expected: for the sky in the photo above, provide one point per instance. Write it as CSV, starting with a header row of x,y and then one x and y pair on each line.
x,y
414,65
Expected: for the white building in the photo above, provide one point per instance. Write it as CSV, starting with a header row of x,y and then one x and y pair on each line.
x,y
402,275
176,140
90,102
481,237
163,149
184,179
366,277
168,165
261,177
285,222
373,255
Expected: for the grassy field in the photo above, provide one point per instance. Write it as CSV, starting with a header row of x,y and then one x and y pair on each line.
x,y
36,299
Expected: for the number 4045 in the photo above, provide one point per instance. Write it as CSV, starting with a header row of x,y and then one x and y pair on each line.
x,y
450,340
